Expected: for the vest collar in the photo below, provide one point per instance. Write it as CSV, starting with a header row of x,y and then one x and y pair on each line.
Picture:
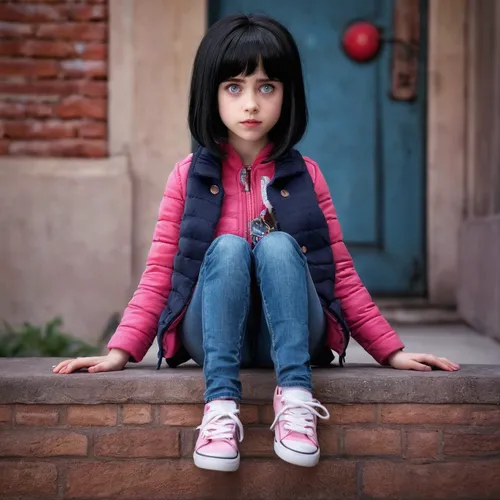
x,y
289,165
208,165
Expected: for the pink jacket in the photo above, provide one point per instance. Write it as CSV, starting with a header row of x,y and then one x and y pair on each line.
x,y
139,324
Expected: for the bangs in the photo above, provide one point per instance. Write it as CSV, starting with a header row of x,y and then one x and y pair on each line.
x,y
246,49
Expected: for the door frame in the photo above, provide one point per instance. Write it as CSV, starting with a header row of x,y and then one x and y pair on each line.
x,y
446,104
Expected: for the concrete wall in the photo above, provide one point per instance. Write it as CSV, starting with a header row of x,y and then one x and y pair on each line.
x,y
65,241
479,274
152,46
479,244
445,146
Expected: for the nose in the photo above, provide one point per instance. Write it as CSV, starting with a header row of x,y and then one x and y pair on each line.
x,y
251,105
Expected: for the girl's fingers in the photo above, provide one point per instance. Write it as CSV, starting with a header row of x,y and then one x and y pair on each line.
x,y
437,362
100,367
415,365
441,363
77,364
61,365
452,366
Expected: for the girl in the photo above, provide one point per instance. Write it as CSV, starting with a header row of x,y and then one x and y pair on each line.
x,y
247,267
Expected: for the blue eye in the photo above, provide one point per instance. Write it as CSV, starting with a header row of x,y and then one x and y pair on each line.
x,y
233,88
267,88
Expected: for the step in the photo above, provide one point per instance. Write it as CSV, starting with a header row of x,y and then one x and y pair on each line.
x,y
129,435
416,311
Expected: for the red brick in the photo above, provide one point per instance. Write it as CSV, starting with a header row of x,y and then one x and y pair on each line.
x,y
39,110
4,147
485,415
93,130
191,415
81,107
424,414
54,49
258,479
329,438
372,441
249,414
94,51
351,414
471,444
437,480
87,12
136,414
5,413
36,48
28,478
93,89
28,67
37,415
29,13
11,30
188,440
73,31
138,443
77,148
258,442
37,129
266,414
422,444
14,109
80,68
181,415
56,88
42,443
339,414
100,415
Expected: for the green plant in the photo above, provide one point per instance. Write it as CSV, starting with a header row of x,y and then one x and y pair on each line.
x,y
49,340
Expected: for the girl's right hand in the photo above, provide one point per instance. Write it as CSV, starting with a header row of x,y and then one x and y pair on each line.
x,y
114,361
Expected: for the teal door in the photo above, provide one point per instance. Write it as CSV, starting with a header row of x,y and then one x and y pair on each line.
x,y
369,146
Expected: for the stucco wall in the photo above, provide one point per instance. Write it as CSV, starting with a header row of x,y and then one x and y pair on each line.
x,y
65,241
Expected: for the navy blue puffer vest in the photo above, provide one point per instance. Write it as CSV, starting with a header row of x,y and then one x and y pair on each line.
x,y
298,214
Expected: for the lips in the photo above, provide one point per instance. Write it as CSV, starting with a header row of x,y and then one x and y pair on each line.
x,y
251,123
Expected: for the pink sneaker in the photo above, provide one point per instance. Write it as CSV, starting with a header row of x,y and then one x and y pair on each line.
x,y
220,430
296,413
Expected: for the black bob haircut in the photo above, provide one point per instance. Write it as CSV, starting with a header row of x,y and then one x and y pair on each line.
x,y
236,45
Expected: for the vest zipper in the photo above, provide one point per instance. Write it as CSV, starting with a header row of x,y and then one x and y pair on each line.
x,y
247,186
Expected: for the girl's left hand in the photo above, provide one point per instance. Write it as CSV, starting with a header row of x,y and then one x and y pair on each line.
x,y
421,362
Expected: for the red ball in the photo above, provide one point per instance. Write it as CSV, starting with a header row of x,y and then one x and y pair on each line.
x,y
361,41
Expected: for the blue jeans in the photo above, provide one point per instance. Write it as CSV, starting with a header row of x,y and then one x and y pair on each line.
x,y
253,308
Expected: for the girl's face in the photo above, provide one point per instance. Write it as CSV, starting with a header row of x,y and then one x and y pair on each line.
x,y
250,106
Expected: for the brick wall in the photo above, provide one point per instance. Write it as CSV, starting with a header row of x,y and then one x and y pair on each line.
x,y
53,78
144,451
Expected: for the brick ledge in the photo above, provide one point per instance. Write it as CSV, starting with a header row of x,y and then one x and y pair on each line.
x,y
30,381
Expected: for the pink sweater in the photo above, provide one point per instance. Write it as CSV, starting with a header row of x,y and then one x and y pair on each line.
x,y
138,327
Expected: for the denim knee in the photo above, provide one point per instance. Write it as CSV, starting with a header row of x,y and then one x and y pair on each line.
x,y
231,249
278,244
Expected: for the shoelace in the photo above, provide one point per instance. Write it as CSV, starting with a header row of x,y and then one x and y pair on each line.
x,y
298,415
219,425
